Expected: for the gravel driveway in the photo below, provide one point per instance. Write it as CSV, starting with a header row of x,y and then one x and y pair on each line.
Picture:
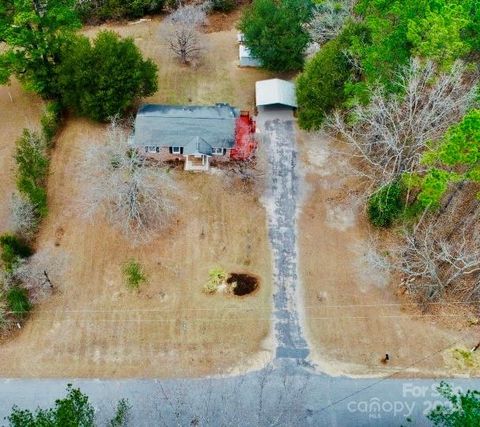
x,y
278,135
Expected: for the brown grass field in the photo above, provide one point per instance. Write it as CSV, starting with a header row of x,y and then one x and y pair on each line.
x,y
353,315
93,326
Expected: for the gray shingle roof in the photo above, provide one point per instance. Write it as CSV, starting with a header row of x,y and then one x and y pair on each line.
x,y
191,127
197,146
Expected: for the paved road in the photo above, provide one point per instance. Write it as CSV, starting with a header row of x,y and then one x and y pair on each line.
x,y
285,396
286,393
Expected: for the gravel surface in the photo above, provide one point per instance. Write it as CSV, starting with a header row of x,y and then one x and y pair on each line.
x,y
278,134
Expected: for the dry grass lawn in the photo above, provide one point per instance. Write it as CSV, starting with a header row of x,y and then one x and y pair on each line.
x,y
93,326
216,79
353,316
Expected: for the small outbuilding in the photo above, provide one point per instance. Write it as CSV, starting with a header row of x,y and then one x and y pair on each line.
x,y
246,59
275,92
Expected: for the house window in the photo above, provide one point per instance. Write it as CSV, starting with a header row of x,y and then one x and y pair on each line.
x,y
217,151
152,149
176,150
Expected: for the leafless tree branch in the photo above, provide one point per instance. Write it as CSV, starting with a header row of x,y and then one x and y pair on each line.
x,y
136,196
182,31
328,19
24,220
433,264
391,133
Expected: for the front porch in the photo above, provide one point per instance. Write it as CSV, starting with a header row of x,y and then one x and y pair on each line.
x,y
197,162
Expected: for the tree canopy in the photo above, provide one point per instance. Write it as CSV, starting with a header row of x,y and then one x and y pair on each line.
x,y
462,409
274,32
456,157
379,40
34,33
74,410
439,30
321,85
105,77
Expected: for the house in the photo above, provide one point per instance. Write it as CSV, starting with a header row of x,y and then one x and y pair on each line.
x,y
195,134
275,93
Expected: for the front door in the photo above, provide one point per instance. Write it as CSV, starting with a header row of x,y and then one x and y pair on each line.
x,y
201,157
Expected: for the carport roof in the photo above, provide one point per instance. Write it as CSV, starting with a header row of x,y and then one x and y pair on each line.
x,y
275,91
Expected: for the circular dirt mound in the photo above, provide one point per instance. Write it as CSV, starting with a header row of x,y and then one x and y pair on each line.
x,y
245,284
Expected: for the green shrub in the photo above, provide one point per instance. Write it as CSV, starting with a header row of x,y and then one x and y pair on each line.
x,y
216,276
386,205
223,5
50,121
121,414
13,249
32,169
455,408
134,274
18,302
74,410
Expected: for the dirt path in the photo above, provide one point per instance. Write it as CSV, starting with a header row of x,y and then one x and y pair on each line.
x,y
282,197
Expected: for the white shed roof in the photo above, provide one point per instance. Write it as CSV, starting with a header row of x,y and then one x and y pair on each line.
x,y
244,52
275,91
246,58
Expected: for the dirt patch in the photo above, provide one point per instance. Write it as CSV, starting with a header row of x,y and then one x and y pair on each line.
x,y
354,313
243,284
219,21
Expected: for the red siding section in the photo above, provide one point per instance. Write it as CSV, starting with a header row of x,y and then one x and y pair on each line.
x,y
245,143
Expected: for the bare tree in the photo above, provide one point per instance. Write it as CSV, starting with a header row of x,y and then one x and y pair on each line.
x,y
42,272
328,19
433,265
39,274
390,134
247,173
23,218
182,31
136,195
4,321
